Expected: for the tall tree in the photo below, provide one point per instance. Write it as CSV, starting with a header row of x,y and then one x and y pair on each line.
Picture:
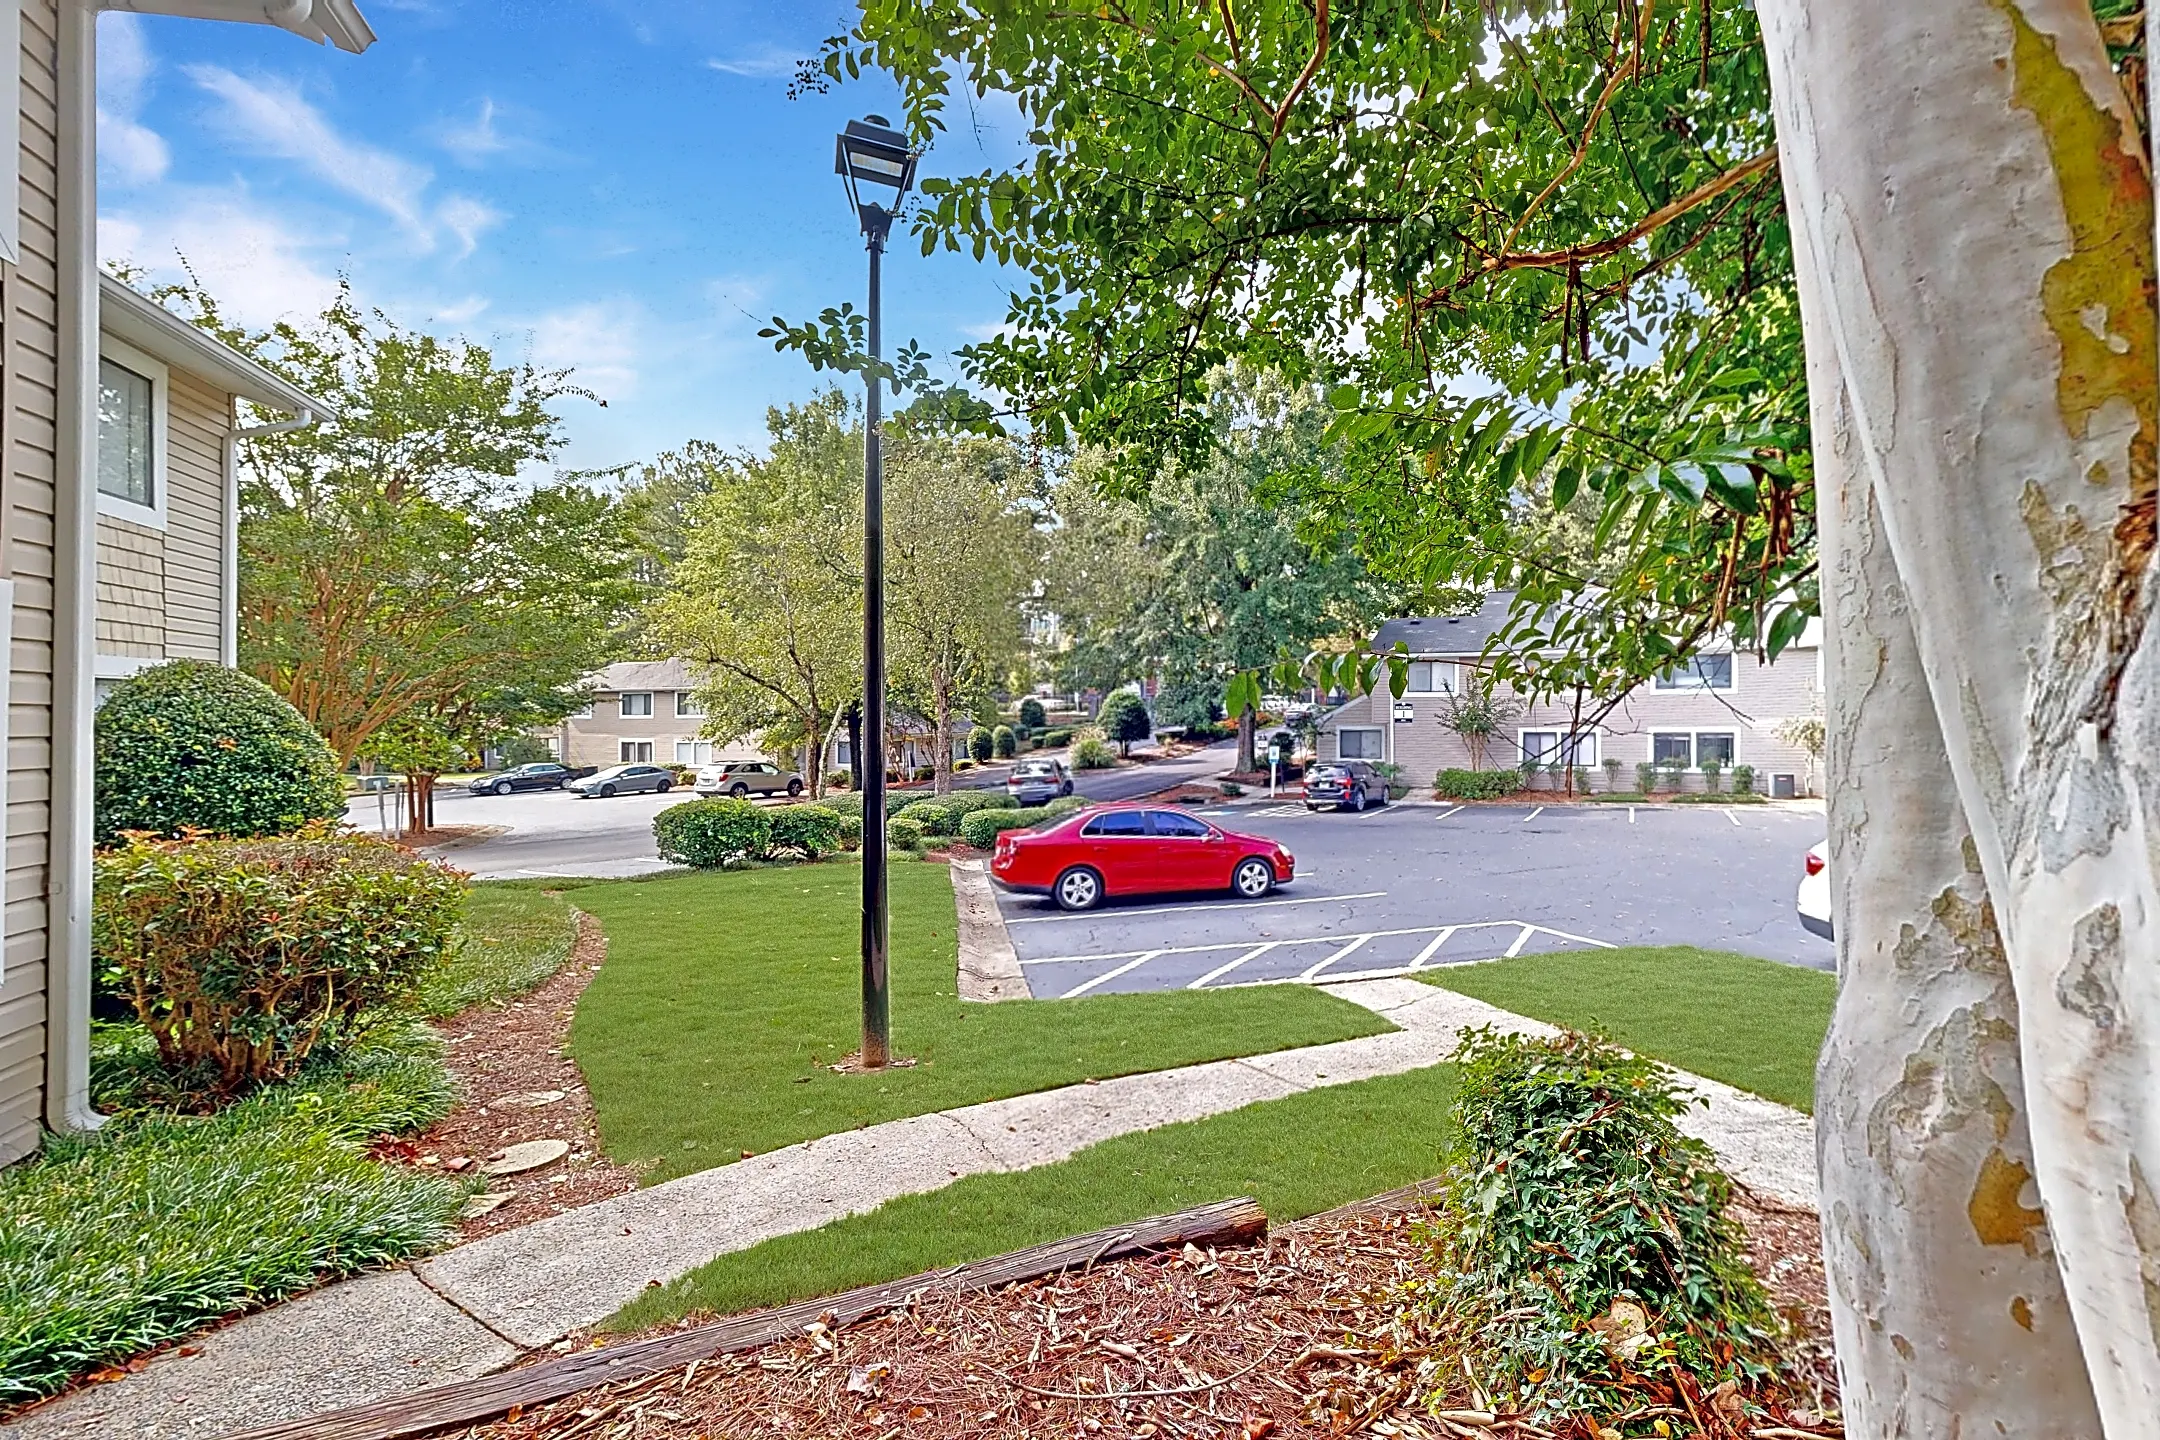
x,y
961,554
767,595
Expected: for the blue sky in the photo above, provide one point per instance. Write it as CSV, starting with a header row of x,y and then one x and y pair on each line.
x,y
620,188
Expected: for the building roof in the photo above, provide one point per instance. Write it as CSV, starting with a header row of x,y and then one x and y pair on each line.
x,y
1446,634
643,675
339,22
155,330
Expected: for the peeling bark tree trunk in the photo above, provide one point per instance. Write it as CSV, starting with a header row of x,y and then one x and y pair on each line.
x,y
1973,224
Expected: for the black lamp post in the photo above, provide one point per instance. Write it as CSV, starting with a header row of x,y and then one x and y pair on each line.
x,y
868,154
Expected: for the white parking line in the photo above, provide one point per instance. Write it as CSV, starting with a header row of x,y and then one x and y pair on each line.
x,y
1417,962
1108,975
1345,945
1533,815
1631,814
1520,941
1221,970
1312,970
1734,818
1206,905
1447,812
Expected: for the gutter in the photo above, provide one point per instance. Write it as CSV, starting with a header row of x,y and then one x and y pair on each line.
x,y
229,565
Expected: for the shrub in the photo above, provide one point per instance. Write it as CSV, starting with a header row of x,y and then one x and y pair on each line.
x,y
1674,773
1003,743
1057,809
1612,775
1743,779
1124,718
980,742
1477,784
812,830
851,831
1031,714
981,828
1231,789
242,956
708,833
839,780
1582,1248
1711,771
925,772
1053,739
1645,777
963,803
903,834
962,766
1092,753
934,816
192,745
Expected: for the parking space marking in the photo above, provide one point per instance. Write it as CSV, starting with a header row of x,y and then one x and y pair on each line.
x,y
1279,812
1418,961
1221,970
1447,812
1349,949
1109,975
1520,941
1533,815
1734,818
1203,905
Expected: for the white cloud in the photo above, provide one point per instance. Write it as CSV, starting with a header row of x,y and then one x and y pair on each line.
x,y
271,117
468,219
600,340
472,143
129,152
260,267
766,63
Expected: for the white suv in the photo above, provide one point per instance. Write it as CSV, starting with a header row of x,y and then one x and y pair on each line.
x,y
744,778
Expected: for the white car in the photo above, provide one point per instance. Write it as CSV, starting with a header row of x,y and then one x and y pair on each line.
x,y
1814,897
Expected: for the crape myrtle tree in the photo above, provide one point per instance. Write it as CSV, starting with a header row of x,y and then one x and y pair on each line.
x,y
1553,247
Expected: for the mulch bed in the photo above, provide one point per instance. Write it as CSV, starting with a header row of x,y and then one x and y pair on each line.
x,y
518,1049
1277,1340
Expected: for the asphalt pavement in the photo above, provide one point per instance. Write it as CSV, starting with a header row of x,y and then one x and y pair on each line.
x,y
1400,889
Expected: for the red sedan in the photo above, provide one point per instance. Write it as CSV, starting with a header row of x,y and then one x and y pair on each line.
x,y
1136,850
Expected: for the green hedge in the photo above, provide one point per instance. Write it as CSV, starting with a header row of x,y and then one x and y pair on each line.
x,y
811,829
851,831
981,829
705,833
980,743
192,745
963,803
934,816
1003,743
1052,739
902,833
1478,784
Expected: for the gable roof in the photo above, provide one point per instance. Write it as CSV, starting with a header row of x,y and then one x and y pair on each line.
x,y
131,316
643,675
1446,634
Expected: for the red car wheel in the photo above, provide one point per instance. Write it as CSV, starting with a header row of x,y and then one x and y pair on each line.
x,y
1079,888
1253,878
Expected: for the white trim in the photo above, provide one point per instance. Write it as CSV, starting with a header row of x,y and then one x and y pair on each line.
x,y
121,667
1561,734
644,759
623,710
1694,734
1448,686
688,697
154,370
1690,683
1342,730
138,320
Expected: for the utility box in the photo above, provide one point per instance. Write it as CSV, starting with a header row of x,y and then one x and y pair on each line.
x,y
1784,787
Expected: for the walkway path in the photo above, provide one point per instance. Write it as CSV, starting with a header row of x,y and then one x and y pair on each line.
x,y
481,1306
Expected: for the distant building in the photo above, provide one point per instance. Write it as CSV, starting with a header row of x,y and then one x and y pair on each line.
x,y
643,710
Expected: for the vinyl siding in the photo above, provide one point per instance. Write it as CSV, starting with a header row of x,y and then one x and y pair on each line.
x,y
597,739
29,344
159,591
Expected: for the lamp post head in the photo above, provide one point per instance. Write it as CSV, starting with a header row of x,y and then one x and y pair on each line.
x,y
870,153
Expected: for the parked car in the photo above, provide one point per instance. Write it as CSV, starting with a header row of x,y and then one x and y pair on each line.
x,y
1038,782
1124,850
1346,784
545,775
1813,901
624,780
744,778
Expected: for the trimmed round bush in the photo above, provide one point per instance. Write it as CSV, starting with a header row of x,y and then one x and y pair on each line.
x,y
934,816
240,956
963,803
1092,752
1052,739
707,833
851,831
902,833
1124,718
1031,714
811,829
981,829
979,743
1003,743
189,745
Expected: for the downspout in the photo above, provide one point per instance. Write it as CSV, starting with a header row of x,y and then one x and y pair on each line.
x,y
229,570
68,978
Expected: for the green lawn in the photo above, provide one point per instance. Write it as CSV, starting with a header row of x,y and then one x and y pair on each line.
x,y
1751,1023
724,995
515,935
1296,1156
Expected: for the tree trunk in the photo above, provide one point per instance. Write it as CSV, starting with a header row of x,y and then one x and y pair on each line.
x,y
854,744
941,740
1247,760
420,812
1973,228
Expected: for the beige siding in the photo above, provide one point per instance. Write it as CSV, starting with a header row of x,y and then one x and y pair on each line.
x,y
29,344
596,739
196,426
130,589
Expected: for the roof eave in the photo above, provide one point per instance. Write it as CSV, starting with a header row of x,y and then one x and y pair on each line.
x,y
140,321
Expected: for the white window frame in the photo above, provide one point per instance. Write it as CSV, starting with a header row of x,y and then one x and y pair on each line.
x,y
151,516
622,705
1690,680
624,749
1694,745
584,712
701,752
687,707
1584,739
1380,740
1446,676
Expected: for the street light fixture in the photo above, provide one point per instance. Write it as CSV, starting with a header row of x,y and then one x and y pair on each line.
x,y
873,157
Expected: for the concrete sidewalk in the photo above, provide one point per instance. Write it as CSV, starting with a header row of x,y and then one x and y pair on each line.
x,y
481,1306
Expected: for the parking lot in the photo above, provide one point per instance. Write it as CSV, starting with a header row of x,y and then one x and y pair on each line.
x,y
1406,888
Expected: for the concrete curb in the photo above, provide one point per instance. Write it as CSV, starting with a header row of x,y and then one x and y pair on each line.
x,y
989,966
480,1307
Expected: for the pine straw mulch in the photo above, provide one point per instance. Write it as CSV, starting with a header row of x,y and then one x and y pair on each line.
x,y
519,1048
1284,1339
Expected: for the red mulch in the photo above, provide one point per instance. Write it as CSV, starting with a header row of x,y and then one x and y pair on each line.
x,y
517,1048
1289,1338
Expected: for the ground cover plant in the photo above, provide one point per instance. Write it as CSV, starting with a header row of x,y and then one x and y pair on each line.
x,y
1754,1024
514,935
1583,1263
1455,784
1296,1156
727,996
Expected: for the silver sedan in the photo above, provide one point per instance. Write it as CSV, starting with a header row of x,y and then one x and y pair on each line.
x,y
624,780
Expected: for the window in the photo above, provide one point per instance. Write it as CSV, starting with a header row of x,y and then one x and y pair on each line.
x,y
843,754
584,711
693,752
1668,750
1704,672
687,706
1118,824
637,705
1713,749
1184,827
635,750
131,436
1357,744
1544,747
1431,677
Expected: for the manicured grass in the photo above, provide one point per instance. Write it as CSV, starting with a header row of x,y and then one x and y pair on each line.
x,y
1751,1023
725,995
116,1242
1296,1156
514,936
